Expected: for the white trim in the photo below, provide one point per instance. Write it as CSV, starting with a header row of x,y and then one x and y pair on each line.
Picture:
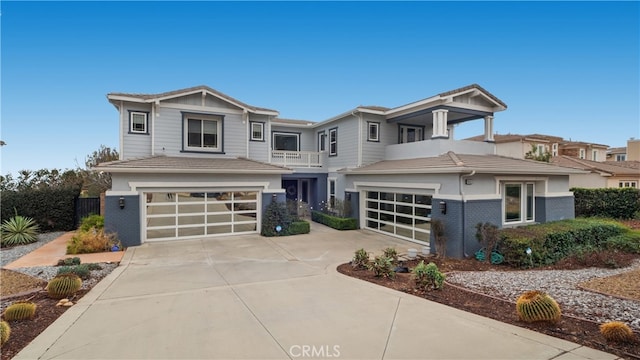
x,y
466,197
146,185
501,179
256,172
555,194
145,121
121,193
251,124
334,130
202,118
122,127
424,188
377,126
273,139
335,188
207,109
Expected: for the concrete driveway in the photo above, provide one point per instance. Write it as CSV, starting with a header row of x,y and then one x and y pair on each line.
x,y
249,297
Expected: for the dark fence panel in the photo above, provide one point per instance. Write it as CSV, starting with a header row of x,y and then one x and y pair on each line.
x,y
86,206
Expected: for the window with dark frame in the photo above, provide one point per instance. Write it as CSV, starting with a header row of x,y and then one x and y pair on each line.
x,y
257,131
202,132
138,122
333,142
322,138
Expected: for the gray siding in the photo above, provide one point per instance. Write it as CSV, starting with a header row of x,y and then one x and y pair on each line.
x,y
135,145
347,142
388,134
259,150
554,208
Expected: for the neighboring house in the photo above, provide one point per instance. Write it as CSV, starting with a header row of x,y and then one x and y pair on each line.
x,y
608,174
196,163
518,146
629,153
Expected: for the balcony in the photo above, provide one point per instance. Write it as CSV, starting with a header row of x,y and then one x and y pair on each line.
x,y
304,159
436,147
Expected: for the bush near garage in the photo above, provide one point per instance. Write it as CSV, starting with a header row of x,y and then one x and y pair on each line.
x,y
299,227
335,222
53,209
553,241
278,214
92,238
616,203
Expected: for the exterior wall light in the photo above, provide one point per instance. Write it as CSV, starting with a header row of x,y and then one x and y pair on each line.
x,y
443,207
121,202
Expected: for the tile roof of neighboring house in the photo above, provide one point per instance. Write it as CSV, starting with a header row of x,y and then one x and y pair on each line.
x,y
617,150
474,86
374,108
167,164
608,167
193,89
506,138
293,121
567,144
457,163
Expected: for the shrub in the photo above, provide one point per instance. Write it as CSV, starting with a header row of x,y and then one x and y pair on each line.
x,y
616,331
299,227
82,271
487,235
94,266
5,332
19,230
275,216
437,229
69,261
53,209
382,267
335,222
21,310
537,306
63,286
428,276
360,259
392,254
92,222
92,241
629,242
616,203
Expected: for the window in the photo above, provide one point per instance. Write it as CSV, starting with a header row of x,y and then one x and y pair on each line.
x,y
628,183
331,193
582,154
286,141
257,131
594,155
518,203
373,133
333,142
202,132
541,149
621,157
138,122
410,134
554,149
322,138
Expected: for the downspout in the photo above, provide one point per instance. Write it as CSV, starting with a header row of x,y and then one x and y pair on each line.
x,y
464,200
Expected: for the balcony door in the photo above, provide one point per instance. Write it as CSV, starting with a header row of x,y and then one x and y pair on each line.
x,y
410,134
286,141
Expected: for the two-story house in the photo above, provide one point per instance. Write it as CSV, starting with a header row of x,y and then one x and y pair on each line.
x,y
629,153
198,163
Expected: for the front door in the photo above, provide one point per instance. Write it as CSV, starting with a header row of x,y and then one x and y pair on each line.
x,y
291,189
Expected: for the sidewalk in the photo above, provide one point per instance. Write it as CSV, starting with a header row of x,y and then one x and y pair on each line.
x,y
49,254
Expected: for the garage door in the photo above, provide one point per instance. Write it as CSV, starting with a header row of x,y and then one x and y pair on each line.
x,y
400,214
183,215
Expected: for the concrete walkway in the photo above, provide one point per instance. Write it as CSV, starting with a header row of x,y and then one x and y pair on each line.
x,y
249,297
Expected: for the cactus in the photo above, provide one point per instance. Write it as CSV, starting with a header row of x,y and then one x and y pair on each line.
x,y
616,331
5,331
537,306
21,310
63,285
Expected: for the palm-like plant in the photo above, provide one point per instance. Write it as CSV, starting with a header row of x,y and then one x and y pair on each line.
x,y
19,230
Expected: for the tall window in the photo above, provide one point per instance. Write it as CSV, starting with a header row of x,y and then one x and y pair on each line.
x,y
286,141
333,142
138,122
322,138
373,133
518,203
203,132
410,134
621,157
257,131
554,149
331,193
594,155
582,154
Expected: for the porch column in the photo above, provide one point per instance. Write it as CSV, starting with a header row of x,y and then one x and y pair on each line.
x,y
488,128
439,124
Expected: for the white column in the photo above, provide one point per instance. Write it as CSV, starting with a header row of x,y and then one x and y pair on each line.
x,y
439,123
488,128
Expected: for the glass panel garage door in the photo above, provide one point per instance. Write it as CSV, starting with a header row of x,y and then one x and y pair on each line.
x,y
403,215
186,215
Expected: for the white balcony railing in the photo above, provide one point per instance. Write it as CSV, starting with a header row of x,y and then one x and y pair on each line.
x,y
296,158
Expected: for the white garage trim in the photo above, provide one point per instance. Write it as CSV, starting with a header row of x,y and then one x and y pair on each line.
x,y
134,185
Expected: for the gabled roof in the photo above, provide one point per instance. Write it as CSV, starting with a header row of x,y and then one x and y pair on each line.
x,y
579,144
609,168
474,87
459,163
617,150
181,165
149,98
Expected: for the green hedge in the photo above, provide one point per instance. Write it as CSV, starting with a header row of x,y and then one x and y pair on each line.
x,y
616,203
553,241
334,222
299,227
52,208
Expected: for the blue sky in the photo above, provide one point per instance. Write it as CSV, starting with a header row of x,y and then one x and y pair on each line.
x,y
564,68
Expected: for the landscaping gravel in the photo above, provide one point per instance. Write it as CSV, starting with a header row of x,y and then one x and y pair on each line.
x,y
562,285
10,255
47,273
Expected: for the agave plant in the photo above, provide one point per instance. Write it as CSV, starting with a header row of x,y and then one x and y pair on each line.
x,y
19,230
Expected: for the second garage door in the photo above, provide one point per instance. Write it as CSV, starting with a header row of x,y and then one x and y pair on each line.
x,y
183,215
404,215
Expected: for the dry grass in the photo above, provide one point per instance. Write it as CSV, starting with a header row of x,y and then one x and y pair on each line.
x,y
625,285
14,283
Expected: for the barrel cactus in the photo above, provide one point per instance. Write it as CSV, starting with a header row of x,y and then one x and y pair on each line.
x,y
21,310
537,306
64,285
5,331
616,331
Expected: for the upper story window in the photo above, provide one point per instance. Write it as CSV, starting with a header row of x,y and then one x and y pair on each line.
x,y
541,149
202,132
554,149
138,122
410,134
621,157
582,154
373,133
518,204
333,142
322,139
286,141
594,155
628,183
257,131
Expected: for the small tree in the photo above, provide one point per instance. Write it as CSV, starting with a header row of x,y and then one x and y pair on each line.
x,y
437,228
536,155
276,217
487,235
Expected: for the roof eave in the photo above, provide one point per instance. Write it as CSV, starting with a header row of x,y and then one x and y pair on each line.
x,y
145,170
